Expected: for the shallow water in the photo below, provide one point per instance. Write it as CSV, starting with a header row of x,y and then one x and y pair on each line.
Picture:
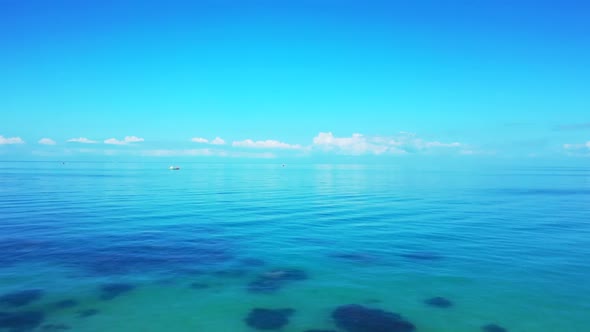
x,y
508,246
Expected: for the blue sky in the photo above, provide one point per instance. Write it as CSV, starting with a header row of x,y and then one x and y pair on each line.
x,y
388,79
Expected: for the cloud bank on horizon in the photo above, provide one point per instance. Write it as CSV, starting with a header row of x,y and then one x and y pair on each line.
x,y
267,144
324,143
359,144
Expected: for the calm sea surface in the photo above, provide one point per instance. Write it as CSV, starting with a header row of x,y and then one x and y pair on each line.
x,y
137,247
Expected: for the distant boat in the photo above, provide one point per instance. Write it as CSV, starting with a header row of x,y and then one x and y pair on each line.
x,y
174,168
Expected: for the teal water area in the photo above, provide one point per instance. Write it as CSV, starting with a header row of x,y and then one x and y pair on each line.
x,y
137,247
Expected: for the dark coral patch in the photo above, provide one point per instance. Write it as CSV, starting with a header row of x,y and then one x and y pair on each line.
x,y
66,304
163,250
439,302
167,249
17,250
357,318
111,291
199,285
54,327
87,313
130,258
272,281
355,257
21,298
422,256
493,328
21,321
372,301
268,319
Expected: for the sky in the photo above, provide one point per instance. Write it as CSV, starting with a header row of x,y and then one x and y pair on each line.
x,y
304,79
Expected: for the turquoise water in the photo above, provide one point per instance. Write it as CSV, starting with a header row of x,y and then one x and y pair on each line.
x,y
187,250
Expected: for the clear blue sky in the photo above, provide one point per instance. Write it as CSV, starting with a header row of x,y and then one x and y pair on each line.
x,y
454,78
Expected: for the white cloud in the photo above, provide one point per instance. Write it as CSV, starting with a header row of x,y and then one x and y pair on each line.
x,y
46,141
582,146
577,149
199,140
126,140
218,141
82,140
359,144
133,139
356,144
268,144
11,140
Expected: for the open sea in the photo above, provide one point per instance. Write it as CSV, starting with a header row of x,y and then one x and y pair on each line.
x,y
128,247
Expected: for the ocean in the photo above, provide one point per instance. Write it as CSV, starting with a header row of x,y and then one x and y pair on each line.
x,y
137,247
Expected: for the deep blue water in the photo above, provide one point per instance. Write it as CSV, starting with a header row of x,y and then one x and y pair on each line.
x,y
137,247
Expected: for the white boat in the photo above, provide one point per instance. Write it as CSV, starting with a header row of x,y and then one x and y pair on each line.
x,y
174,168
